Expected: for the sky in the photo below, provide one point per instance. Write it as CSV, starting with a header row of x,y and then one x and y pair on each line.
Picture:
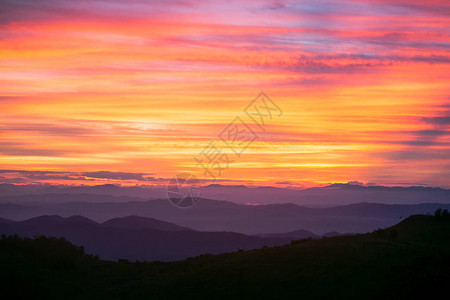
x,y
134,92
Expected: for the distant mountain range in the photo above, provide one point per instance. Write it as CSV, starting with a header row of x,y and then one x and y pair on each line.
x,y
213,215
332,195
335,208
137,238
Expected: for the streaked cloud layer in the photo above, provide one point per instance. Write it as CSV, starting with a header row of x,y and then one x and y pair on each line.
x,y
132,91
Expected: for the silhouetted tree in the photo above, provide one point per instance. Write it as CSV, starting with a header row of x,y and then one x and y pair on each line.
x,y
445,213
438,212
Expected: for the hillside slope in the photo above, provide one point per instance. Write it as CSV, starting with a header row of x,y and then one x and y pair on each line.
x,y
408,261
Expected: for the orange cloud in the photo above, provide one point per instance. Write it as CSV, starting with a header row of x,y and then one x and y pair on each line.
x,y
143,87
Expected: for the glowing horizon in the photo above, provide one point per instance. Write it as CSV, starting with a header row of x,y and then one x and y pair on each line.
x,y
141,88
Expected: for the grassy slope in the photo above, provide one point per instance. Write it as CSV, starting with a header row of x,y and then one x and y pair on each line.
x,y
411,259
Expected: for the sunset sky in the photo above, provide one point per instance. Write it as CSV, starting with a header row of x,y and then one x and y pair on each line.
x,y
129,92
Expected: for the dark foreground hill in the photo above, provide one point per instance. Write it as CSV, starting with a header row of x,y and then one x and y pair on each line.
x,y
408,261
